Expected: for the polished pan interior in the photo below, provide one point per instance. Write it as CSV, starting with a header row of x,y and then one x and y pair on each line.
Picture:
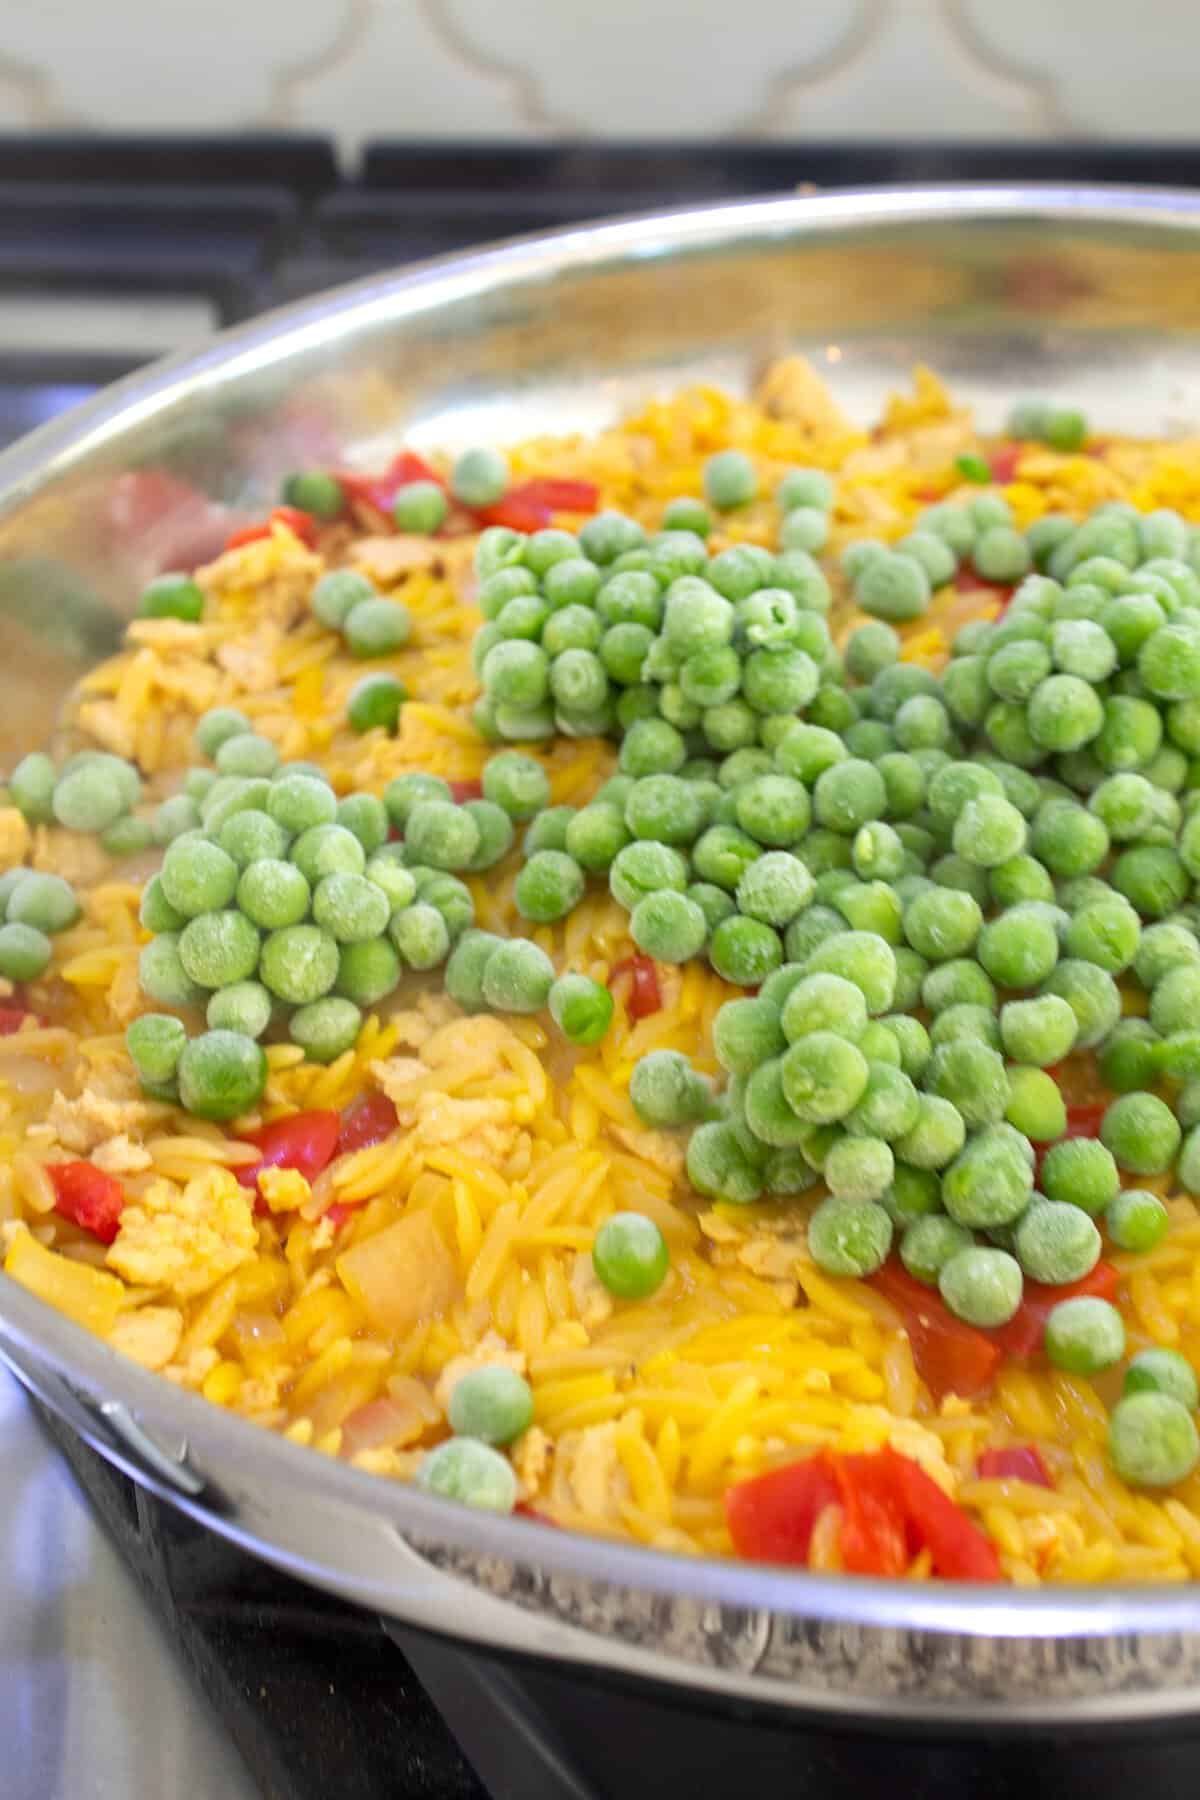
x,y
1086,296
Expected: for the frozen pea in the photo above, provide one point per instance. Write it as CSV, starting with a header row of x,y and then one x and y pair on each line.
x,y
1153,879
747,1033
667,1091
824,1076
328,850
365,817
442,835
92,794
1162,947
492,1404
351,908
1035,1106
155,1043
719,1166
972,1076
774,887
273,893
848,795
823,1001
221,1074
469,1472
197,876
243,1006
942,924
889,1106
31,787
849,1239
1162,1371
1175,999
298,802
1092,995
465,968
1020,948
1132,1056
326,1028
862,958
892,587
299,963
219,948
670,927
1039,1031
957,982
1081,1172
1142,1133
333,598
250,837
160,970
46,902
420,935
247,755
1136,1220
646,868
518,977
936,1138
581,1008
965,1020
665,809
1084,1335
989,1182
928,1244
729,479
981,1286
1056,1243
368,972
859,1169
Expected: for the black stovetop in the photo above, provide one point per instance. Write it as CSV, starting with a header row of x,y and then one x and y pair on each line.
x,y
184,234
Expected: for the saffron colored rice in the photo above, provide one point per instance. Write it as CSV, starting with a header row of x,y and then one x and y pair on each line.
x,y
512,1147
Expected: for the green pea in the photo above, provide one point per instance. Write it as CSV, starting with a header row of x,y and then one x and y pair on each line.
x,y
1092,995
549,886
221,1074
893,587
1142,1133
273,893
217,949
492,1404
91,795
197,877
581,1008
325,1029
1160,1371
470,1472
155,1043
420,935
928,1244
982,1287
243,1006
1136,1220
1084,1335
849,1239
729,480
518,977
46,902
1082,1172
299,963
31,787
172,596
667,1091
645,868
630,1256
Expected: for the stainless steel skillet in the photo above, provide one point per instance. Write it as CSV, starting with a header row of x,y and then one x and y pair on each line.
x,y
1086,295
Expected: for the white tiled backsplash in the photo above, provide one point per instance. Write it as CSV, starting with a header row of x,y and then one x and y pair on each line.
x,y
998,69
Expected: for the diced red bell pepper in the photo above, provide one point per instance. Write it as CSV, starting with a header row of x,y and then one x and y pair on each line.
x,y
1003,462
950,1356
891,1509
466,790
1015,1462
340,1211
304,1141
1022,1336
13,1017
531,505
368,1121
874,1539
526,1511
380,491
645,995
88,1197
959,1550
771,1517
1084,1116
300,524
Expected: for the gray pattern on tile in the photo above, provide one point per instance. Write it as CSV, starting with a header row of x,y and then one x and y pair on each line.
x,y
287,81
782,88
526,90
1048,116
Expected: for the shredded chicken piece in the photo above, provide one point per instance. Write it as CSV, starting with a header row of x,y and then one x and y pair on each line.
x,y
78,859
110,725
14,837
590,1467
772,1256
388,559
284,1190
280,570
121,1156
593,1302
792,389
480,1129
661,1149
530,1457
186,1239
195,1366
105,1109
252,659
490,1352
150,1336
